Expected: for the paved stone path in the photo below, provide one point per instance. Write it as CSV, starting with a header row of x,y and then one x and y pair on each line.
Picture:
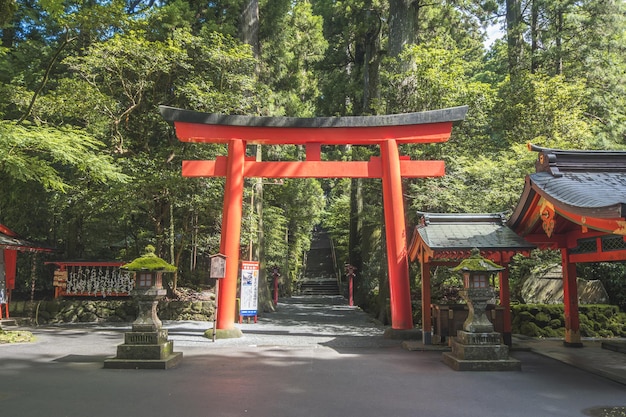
x,y
313,357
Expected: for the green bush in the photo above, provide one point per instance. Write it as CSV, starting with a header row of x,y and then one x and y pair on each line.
x,y
530,329
540,320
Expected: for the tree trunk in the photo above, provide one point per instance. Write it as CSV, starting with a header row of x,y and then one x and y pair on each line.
x,y
249,26
534,35
403,24
354,243
558,21
265,295
514,36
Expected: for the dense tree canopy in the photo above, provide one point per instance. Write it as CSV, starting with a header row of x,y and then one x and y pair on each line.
x,y
90,167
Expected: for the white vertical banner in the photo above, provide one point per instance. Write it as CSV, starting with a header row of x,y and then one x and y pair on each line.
x,y
3,283
249,289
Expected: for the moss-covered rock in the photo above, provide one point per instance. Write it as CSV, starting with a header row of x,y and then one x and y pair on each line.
x,y
595,320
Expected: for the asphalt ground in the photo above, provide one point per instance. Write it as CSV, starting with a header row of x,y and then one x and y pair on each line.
x,y
313,357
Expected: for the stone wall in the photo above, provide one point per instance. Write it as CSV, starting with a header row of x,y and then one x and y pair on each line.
x,y
106,311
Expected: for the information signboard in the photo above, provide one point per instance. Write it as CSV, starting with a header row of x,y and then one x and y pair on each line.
x,y
249,289
3,284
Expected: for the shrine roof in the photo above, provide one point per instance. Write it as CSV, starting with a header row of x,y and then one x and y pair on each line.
x,y
467,231
584,183
452,114
10,240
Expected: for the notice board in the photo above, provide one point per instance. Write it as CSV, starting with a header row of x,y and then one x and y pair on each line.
x,y
249,289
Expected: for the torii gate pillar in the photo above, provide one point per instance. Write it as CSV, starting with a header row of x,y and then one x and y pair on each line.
x,y
384,131
231,233
395,232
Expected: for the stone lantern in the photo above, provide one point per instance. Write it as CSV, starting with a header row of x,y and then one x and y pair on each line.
x,y
477,292
477,347
146,346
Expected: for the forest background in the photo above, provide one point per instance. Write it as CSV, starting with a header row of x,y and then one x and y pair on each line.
x,y
89,166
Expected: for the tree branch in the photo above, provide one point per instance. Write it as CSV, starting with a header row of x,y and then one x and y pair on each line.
x,y
46,75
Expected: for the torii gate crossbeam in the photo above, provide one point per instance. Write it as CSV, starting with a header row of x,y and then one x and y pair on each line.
x,y
385,131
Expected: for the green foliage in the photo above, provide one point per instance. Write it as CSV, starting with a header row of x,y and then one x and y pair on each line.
x,y
7,9
289,57
337,222
42,153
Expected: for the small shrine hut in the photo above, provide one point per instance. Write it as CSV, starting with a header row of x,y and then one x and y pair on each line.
x,y
445,239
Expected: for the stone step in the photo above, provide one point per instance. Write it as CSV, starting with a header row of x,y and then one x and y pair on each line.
x,y
7,322
319,287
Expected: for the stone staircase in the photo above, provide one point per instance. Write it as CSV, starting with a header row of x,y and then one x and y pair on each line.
x,y
319,275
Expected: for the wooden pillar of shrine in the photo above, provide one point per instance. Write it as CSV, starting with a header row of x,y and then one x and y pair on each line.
x,y
570,301
427,332
505,302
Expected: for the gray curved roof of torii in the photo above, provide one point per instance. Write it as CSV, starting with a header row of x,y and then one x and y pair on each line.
x,y
452,114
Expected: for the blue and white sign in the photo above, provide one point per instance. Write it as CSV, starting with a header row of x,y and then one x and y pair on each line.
x,y
249,300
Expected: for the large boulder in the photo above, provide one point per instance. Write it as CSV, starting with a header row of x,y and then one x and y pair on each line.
x,y
546,287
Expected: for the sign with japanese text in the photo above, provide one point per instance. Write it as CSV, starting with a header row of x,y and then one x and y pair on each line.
x,y
249,289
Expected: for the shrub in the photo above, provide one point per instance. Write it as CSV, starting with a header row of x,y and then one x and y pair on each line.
x,y
537,320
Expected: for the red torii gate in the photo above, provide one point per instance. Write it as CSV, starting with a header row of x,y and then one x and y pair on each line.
x,y
386,131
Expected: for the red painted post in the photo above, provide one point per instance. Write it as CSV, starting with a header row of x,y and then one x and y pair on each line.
x,y
427,330
275,274
350,273
570,301
397,258
351,289
231,231
505,302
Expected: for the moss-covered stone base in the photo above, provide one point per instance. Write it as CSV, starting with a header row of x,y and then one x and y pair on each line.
x,y
233,333
409,334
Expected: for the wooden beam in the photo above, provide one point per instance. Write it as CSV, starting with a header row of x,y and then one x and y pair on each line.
x,y
314,169
261,135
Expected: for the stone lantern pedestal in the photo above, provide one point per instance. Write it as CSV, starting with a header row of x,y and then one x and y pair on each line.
x,y
478,347
146,346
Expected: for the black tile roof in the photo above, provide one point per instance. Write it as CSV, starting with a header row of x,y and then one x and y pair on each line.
x,y
468,230
590,183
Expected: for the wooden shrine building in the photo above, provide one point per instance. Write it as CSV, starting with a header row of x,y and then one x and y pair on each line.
x,y
10,244
575,202
446,239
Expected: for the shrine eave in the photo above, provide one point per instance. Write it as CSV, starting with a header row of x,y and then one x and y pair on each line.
x,y
584,190
21,245
452,236
427,127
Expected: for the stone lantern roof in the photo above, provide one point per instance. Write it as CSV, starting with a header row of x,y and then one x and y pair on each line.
x,y
149,262
477,263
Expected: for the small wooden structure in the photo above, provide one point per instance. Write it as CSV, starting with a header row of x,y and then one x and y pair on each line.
x,y
575,202
91,279
10,244
445,239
